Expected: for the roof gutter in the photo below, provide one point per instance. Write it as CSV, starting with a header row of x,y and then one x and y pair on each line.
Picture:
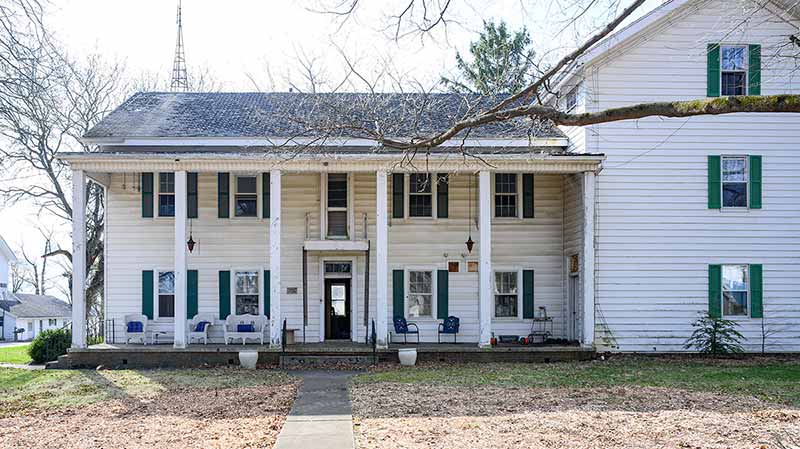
x,y
294,142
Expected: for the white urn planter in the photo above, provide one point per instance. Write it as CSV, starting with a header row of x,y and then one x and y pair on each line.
x,y
248,359
408,356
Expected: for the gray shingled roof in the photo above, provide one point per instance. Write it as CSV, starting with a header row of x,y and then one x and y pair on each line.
x,y
287,115
36,306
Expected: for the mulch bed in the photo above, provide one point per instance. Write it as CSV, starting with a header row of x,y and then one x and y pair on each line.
x,y
393,415
247,417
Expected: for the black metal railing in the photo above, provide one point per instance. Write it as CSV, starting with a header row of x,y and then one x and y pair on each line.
x,y
100,331
283,336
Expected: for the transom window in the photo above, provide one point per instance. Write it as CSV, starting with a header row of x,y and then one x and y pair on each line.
x,y
734,181
505,195
246,198
506,294
420,195
246,300
166,294
735,289
337,205
733,62
338,267
420,294
166,194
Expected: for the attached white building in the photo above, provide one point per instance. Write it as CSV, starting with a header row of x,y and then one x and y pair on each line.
x,y
621,233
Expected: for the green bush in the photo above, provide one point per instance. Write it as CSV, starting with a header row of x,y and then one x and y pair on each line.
x,y
50,344
715,336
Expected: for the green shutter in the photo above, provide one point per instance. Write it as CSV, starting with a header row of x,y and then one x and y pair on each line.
x,y
754,70
756,291
714,182
442,191
714,291
527,294
398,195
191,195
147,293
267,292
223,195
398,293
265,195
755,182
191,294
713,71
442,294
527,195
147,195
224,294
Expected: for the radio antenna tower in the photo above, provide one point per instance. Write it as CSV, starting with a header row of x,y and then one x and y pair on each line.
x,y
179,81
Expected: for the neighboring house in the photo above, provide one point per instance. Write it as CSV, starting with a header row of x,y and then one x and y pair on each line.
x,y
678,217
30,313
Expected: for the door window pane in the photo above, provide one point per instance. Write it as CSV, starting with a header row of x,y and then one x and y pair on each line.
x,y
166,294
420,297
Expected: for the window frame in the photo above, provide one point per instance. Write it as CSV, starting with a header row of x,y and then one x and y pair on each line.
x,y
518,271
407,289
234,193
52,322
157,289
518,195
158,194
324,209
748,291
259,284
433,178
722,182
745,70
574,94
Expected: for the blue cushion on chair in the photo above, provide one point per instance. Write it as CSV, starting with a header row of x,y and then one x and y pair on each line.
x,y
400,325
245,328
201,326
450,325
135,327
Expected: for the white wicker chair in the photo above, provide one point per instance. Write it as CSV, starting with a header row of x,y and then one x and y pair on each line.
x,y
141,336
259,322
193,333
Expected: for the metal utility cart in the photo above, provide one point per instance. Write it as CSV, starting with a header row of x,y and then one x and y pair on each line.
x,y
541,327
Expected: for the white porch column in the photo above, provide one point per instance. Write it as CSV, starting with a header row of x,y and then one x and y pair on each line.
x,y
275,321
485,257
78,259
180,260
382,258
587,264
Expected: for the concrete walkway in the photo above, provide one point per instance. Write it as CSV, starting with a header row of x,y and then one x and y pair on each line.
x,y
321,415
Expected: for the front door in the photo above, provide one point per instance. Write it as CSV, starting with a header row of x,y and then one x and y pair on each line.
x,y
573,307
337,307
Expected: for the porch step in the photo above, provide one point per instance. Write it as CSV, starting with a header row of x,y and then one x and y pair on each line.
x,y
325,361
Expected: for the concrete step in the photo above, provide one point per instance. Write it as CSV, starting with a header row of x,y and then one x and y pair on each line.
x,y
325,361
63,362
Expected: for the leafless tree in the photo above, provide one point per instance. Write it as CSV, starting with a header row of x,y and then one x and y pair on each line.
x,y
34,269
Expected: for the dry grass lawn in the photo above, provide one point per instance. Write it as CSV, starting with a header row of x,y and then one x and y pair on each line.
x,y
628,403
200,408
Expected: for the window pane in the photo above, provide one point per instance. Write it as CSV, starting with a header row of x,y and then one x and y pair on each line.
x,y
247,282
734,194
733,83
733,169
734,303
246,206
420,205
505,206
166,282
166,306
420,281
505,282
337,267
732,58
246,184
505,306
420,305
166,182
419,183
166,205
337,190
735,277
505,183
337,224
247,304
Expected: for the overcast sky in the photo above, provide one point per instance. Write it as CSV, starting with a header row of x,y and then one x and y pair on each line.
x,y
241,41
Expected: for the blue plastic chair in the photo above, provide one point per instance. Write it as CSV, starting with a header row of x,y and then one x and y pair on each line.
x,y
450,326
401,327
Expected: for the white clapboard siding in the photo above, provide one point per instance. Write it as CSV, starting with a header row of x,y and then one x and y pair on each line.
x,y
655,234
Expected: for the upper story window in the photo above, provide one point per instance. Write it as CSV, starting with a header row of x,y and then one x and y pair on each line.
x,y
571,100
337,205
246,294
734,181
733,67
166,194
246,196
506,294
166,294
420,195
505,195
735,289
420,294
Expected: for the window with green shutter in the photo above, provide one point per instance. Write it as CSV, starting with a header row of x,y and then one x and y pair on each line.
x,y
442,294
754,70
714,182
191,195
265,209
442,193
267,292
735,290
398,293
756,291
191,294
223,195
527,195
528,310
714,291
147,293
755,181
713,75
398,195
224,294
147,195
